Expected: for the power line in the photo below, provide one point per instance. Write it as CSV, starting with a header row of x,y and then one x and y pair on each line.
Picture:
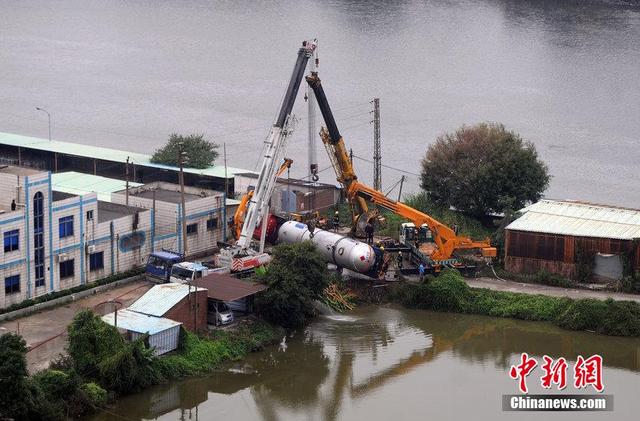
x,y
387,166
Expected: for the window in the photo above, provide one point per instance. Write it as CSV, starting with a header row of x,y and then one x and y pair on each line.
x,y
38,238
66,268
96,261
11,240
12,284
90,215
192,229
65,226
212,223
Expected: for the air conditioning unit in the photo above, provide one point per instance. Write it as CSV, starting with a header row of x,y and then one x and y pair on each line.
x,y
91,248
63,257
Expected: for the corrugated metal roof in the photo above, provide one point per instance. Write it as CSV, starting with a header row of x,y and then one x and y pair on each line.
x,y
141,323
225,287
79,183
107,154
579,219
161,298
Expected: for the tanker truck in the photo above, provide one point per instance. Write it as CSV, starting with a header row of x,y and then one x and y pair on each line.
x,y
344,252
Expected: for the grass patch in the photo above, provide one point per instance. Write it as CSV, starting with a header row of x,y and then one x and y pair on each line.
x,y
449,292
201,355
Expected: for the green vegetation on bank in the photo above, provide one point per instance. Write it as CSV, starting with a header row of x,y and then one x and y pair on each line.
x,y
102,365
449,292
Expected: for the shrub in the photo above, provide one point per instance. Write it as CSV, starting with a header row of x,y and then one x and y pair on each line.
x,y
449,293
129,369
96,395
296,277
91,340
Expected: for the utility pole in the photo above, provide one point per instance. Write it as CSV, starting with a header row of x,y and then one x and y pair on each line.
x,y
226,192
126,186
184,213
377,157
400,191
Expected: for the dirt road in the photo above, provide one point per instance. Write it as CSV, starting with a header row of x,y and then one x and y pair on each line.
x,y
46,332
512,286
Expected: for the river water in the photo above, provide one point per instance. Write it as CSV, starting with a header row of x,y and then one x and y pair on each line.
x,y
382,363
126,74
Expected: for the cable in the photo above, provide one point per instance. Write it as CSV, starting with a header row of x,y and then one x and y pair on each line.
x,y
387,166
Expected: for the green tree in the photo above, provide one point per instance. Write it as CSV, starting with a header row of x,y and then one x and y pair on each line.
x,y
482,169
15,394
91,340
296,277
199,152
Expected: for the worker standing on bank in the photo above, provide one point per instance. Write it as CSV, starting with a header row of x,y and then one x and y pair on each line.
x,y
368,229
399,260
421,270
336,221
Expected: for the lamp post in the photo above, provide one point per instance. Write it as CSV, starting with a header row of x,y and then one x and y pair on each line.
x,y
49,116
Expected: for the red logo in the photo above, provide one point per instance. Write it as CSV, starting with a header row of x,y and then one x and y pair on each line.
x,y
522,370
585,372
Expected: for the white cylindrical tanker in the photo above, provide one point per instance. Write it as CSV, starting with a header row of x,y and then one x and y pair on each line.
x,y
343,251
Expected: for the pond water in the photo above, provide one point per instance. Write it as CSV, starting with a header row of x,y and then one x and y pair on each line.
x,y
381,363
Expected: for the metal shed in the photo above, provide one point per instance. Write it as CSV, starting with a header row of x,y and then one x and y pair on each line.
x,y
163,333
551,234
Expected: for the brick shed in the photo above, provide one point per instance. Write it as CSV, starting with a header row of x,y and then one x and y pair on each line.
x,y
551,234
175,302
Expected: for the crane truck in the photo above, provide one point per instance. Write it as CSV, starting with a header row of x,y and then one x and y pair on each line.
x,y
241,256
445,240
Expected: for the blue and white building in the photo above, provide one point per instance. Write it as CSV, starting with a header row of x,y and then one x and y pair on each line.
x,y
55,240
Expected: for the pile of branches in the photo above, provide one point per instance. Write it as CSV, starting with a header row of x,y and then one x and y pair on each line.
x,y
338,299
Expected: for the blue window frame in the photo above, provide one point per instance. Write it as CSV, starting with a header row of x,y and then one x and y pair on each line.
x,y
65,227
67,268
38,238
11,240
12,284
96,261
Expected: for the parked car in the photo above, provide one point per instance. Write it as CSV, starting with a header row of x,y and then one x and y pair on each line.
x,y
219,313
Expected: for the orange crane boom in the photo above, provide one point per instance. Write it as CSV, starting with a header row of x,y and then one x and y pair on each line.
x,y
358,194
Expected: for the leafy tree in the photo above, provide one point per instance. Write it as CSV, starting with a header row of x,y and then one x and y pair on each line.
x,y
15,394
296,277
199,152
482,169
91,340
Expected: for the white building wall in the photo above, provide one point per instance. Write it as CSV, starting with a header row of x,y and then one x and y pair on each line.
x,y
74,248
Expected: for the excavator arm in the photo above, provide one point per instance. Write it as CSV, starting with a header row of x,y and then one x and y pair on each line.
x,y
444,237
238,217
359,194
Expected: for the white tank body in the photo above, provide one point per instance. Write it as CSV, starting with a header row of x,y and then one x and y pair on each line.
x,y
338,249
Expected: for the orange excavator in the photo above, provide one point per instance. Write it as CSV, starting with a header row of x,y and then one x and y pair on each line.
x,y
445,240
238,217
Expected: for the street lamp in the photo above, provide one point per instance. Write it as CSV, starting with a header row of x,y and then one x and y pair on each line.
x,y
49,116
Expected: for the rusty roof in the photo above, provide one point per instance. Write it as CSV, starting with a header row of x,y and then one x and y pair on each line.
x,y
565,217
225,287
